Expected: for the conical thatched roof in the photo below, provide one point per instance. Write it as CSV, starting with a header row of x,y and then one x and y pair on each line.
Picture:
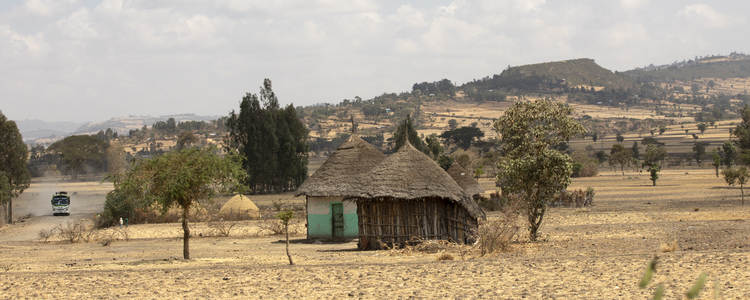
x,y
465,180
240,205
410,175
339,171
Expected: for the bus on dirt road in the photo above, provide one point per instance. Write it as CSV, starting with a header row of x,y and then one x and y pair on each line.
x,y
61,204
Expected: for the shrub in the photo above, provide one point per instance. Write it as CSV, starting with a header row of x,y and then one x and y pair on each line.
x,y
76,231
495,202
45,234
444,256
496,235
223,227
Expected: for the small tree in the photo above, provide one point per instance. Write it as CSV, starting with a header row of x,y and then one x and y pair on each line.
x,y
699,150
654,170
532,169
619,137
452,124
717,161
285,217
182,179
662,129
702,127
636,150
621,156
739,176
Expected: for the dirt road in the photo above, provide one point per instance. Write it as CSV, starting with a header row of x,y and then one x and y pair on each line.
x,y
87,199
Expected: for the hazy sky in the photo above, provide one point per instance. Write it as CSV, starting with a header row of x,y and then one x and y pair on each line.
x,y
90,60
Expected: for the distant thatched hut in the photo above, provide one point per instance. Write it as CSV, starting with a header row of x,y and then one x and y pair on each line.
x,y
465,180
328,216
408,195
241,207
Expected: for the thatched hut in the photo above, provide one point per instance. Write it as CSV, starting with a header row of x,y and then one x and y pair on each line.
x,y
328,216
409,195
465,180
240,207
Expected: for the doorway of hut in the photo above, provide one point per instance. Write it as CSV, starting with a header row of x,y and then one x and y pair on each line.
x,y
337,219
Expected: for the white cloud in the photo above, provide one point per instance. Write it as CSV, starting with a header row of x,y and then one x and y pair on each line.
x,y
632,5
17,46
703,15
48,7
77,25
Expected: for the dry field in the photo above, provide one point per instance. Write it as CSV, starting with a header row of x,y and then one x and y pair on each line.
x,y
593,253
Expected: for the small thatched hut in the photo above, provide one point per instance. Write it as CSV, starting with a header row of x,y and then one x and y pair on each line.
x,y
240,206
408,195
328,216
465,180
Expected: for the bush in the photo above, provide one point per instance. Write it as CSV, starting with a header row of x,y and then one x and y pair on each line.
x,y
583,165
496,235
76,231
494,203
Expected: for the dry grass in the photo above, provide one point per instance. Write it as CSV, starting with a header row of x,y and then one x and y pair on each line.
x,y
667,247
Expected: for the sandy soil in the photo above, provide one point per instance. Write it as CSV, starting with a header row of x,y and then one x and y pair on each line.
x,y
593,253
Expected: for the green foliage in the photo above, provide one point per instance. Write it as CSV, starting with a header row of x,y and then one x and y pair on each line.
x,y
742,134
79,152
693,292
14,175
185,139
182,179
739,176
285,217
583,165
433,148
730,152
699,150
717,161
445,161
621,156
636,150
654,154
452,124
461,138
654,170
272,140
702,127
532,169
414,140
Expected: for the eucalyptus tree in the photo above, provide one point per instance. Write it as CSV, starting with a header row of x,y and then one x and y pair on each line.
x,y
14,175
532,169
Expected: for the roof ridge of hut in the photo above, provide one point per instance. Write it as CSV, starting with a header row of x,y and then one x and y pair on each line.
x,y
409,175
353,157
470,185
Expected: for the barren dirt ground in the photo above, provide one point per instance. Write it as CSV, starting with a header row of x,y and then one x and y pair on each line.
x,y
593,253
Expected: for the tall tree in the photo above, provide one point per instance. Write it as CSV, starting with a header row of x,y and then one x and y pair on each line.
x,y
14,175
462,137
414,140
699,150
742,132
433,147
531,168
273,141
730,152
79,152
182,179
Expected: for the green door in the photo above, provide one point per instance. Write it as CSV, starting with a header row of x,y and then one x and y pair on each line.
x,y
337,213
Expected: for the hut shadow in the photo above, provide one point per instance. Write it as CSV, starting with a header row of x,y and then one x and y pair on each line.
x,y
312,241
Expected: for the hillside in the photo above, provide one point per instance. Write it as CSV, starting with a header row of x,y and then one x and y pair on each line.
x,y
553,76
721,67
